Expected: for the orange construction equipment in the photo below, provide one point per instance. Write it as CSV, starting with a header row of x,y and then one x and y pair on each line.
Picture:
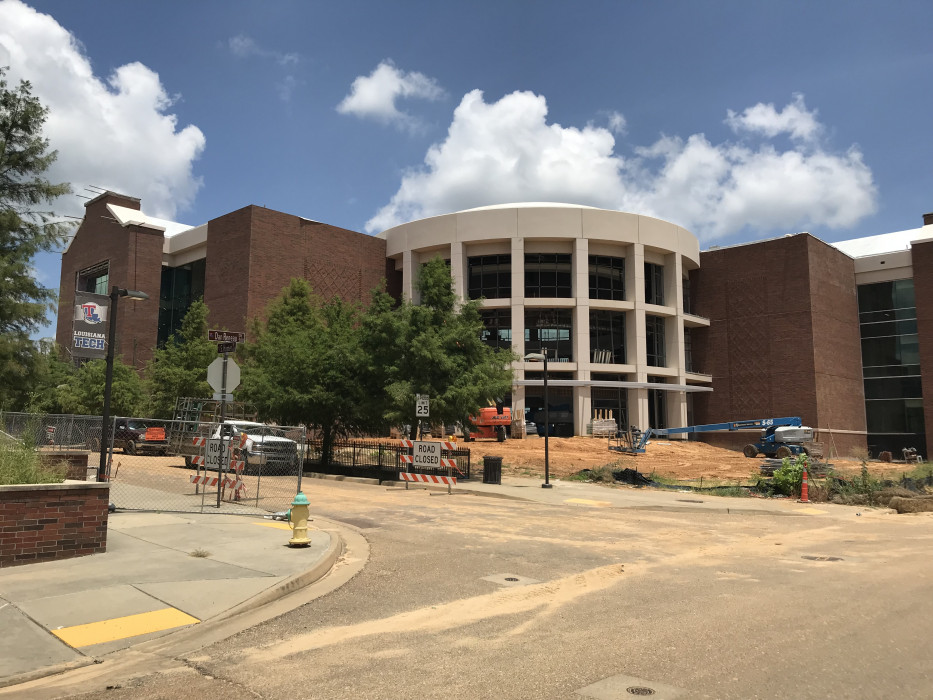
x,y
493,423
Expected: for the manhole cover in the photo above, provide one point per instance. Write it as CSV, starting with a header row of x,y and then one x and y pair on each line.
x,y
812,557
511,578
639,690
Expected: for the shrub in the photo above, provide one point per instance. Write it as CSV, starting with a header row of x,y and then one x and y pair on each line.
x,y
788,478
22,464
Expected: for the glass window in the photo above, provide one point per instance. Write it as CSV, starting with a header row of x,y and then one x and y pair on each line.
x,y
489,276
610,402
654,284
891,366
607,277
688,350
94,279
497,328
688,301
548,275
551,330
655,340
607,337
180,287
657,405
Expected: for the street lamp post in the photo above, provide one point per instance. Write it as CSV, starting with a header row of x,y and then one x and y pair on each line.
x,y
542,357
115,295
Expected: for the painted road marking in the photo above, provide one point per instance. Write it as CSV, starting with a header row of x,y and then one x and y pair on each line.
x,y
277,525
588,502
123,627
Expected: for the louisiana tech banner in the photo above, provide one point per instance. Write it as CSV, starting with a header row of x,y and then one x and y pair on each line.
x,y
90,325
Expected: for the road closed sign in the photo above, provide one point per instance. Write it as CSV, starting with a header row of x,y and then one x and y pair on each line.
x,y
426,454
215,452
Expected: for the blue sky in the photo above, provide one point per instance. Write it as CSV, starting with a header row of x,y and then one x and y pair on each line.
x,y
738,120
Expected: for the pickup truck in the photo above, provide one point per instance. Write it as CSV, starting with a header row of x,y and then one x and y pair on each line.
x,y
136,436
266,446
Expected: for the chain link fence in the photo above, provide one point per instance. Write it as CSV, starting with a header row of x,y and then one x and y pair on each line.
x,y
179,466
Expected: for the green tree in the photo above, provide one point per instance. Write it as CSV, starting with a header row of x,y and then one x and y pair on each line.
x,y
306,365
52,373
180,368
84,392
434,348
26,228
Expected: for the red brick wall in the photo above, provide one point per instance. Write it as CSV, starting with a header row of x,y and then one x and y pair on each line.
x,y
783,337
922,260
135,256
253,253
52,521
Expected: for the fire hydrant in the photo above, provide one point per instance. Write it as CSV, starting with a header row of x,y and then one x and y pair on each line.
x,y
298,521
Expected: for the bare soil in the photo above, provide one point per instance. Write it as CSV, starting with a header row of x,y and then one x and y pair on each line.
x,y
680,460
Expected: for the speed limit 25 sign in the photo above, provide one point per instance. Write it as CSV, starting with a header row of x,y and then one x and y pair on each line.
x,y
422,406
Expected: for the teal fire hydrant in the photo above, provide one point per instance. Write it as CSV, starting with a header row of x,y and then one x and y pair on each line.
x,y
298,521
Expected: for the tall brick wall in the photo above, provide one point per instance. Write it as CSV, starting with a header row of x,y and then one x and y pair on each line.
x,y
253,253
135,257
837,349
922,260
777,312
52,521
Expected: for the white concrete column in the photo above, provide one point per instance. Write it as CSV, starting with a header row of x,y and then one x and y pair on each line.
x,y
637,351
518,402
458,269
582,409
518,296
677,412
581,287
408,284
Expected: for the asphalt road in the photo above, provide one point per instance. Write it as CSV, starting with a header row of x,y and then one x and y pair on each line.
x,y
828,602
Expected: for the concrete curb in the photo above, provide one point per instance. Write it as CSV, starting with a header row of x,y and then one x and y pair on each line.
x,y
138,660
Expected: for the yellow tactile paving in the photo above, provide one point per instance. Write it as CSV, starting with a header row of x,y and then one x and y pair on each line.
x,y
278,526
123,627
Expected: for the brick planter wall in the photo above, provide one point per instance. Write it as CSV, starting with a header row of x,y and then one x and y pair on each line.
x,y
45,522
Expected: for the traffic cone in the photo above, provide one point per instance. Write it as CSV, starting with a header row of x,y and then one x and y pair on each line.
x,y
803,489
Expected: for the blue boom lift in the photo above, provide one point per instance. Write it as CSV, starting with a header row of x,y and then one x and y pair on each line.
x,y
780,437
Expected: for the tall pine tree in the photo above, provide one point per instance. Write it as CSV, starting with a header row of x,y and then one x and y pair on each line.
x,y
26,228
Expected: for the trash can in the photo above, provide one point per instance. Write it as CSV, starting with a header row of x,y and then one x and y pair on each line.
x,y
492,470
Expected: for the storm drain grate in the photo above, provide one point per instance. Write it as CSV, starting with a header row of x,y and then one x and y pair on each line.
x,y
688,500
812,557
639,690
511,578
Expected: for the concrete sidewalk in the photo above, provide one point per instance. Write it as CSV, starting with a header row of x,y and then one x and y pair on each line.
x,y
162,572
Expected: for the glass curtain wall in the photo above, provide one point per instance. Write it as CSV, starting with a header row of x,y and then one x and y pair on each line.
x,y
607,337
610,399
891,367
548,275
607,277
181,287
489,276
655,340
497,328
550,329
654,284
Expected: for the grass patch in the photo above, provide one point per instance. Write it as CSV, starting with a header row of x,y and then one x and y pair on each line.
x,y
21,463
596,475
199,553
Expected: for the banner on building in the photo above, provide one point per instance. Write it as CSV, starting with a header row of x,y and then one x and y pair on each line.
x,y
90,325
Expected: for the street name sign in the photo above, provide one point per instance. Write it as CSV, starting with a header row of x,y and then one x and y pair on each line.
x,y
226,336
226,346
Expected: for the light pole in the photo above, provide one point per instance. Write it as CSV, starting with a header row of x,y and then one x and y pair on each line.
x,y
115,295
542,357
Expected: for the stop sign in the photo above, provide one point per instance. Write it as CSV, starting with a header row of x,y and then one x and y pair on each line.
x,y
215,375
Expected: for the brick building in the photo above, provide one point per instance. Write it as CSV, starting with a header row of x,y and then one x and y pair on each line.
x,y
237,262
839,334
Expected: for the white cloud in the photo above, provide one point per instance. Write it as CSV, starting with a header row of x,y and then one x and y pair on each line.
x,y
617,123
374,96
245,46
506,151
764,119
116,134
